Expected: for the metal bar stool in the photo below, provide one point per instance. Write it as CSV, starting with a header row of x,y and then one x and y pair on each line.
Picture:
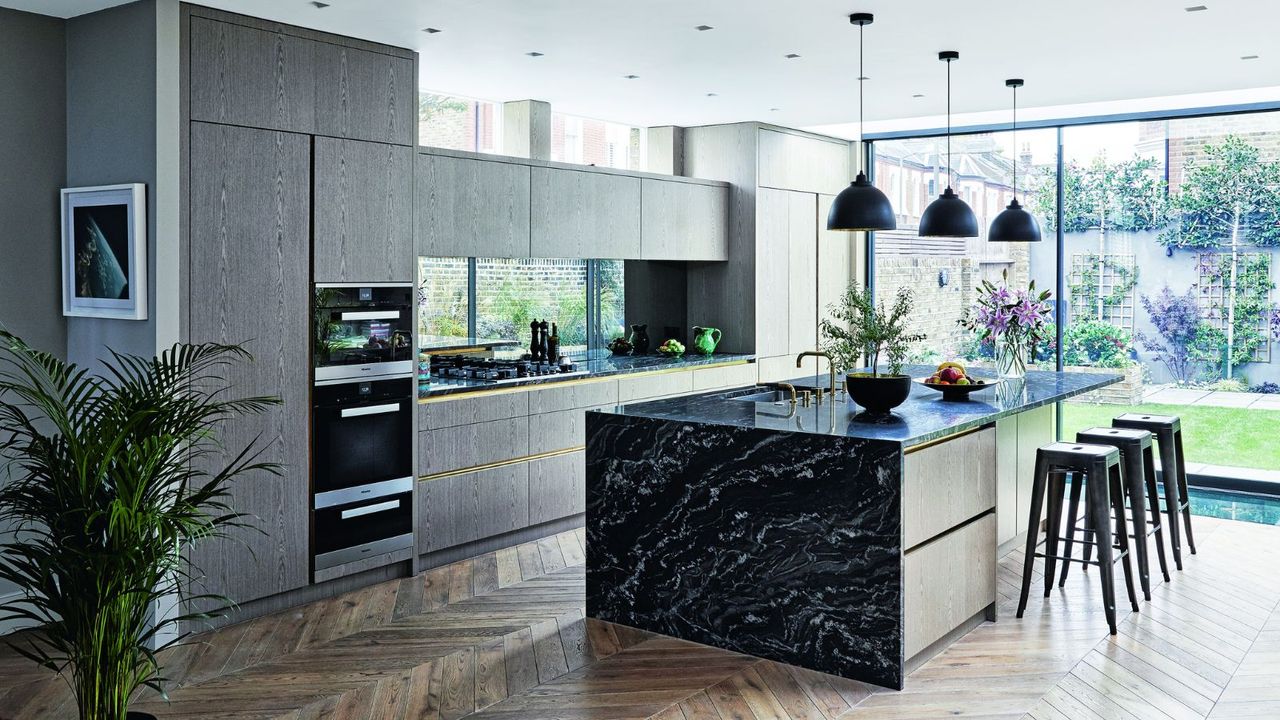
x,y
1173,469
1139,471
1097,467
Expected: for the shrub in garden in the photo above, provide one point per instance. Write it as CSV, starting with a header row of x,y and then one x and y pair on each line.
x,y
1177,319
1096,343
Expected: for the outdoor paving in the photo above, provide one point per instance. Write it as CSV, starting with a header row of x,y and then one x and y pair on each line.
x,y
1166,395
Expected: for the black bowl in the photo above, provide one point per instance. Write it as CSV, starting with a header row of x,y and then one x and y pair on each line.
x,y
877,394
958,393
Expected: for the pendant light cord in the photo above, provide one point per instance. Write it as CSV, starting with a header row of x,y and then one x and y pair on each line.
x,y
1015,143
949,168
861,76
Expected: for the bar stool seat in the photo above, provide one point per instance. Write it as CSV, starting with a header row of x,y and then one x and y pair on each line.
x,y
1140,490
1097,467
1167,430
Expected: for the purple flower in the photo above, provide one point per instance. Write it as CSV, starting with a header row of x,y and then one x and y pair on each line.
x,y
1027,313
999,321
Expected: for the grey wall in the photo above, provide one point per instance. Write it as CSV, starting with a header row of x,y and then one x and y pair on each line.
x,y
111,138
32,164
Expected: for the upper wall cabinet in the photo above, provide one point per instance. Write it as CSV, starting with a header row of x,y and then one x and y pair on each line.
x,y
789,161
363,221
471,208
584,214
365,95
245,76
683,221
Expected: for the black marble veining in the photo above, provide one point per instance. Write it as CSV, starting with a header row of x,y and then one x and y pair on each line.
x,y
923,417
593,367
778,545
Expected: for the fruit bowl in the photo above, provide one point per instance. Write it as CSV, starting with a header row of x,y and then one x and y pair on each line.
x,y
958,393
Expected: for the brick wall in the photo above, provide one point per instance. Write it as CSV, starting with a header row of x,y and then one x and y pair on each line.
x,y
938,309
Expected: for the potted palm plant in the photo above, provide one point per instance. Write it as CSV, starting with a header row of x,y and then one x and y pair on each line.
x,y
859,330
109,477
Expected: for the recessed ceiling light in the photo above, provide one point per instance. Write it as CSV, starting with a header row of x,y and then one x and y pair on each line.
x,y
631,77
431,31
1196,8
863,77
791,56
534,54
918,95
1248,57
774,109
703,28
712,95
319,5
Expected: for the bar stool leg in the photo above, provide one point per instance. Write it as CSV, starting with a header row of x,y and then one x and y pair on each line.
x,y
1122,532
1153,503
1133,475
1057,486
1096,502
1184,496
1033,531
1172,499
1073,511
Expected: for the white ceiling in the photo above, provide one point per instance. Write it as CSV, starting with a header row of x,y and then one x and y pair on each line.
x,y
1069,52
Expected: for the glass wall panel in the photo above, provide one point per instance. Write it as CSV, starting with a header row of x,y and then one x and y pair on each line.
x,y
442,298
459,123
585,141
946,273
511,293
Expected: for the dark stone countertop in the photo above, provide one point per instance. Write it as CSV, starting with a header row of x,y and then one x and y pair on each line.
x,y
592,367
922,418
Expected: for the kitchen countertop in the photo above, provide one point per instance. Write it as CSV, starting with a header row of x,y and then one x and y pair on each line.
x,y
922,418
593,368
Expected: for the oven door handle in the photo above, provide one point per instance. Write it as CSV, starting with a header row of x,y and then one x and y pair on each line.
x,y
371,315
370,509
369,410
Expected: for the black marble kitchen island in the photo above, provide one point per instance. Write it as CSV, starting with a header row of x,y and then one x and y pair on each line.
x,y
798,534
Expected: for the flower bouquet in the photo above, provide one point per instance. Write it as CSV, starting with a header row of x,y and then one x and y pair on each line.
x,y
1012,320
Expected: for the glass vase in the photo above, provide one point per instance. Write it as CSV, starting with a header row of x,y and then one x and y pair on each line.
x,y
1011,357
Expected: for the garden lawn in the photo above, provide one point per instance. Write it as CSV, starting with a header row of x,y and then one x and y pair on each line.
x,y
1216,435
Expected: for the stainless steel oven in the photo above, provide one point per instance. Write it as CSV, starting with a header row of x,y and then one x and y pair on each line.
x,y
362,330
353,531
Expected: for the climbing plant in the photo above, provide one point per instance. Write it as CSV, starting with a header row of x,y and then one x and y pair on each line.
x,y
1127,196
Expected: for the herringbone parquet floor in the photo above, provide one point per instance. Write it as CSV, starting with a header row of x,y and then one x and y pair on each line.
x,y
503,636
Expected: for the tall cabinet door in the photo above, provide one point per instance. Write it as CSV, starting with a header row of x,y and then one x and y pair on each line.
x,y
802,271
364,218
250,219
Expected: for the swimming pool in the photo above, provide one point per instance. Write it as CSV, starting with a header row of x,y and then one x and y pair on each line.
x,y
1230,505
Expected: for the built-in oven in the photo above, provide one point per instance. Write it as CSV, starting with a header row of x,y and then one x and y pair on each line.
x,y
362,330
358,530
362,436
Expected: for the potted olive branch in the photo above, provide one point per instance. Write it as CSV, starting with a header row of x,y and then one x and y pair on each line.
x,y
109,477
859,330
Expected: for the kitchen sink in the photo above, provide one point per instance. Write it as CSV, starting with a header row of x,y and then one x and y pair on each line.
x,y
766,396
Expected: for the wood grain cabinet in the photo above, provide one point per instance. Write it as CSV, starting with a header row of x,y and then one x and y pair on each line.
x,y
683,220
257,78
467,446
363,220
584,214
557,487
947,484
250,193
471,208
471,506
365,95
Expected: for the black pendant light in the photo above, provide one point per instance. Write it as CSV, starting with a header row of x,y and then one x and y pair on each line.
x,y
1014,224
861,206
948,216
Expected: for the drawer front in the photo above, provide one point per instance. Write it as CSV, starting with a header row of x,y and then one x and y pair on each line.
x,y
469,410
574,395
946,484
472,506
561,430
557,487
466,446
724,377
948,581
645,387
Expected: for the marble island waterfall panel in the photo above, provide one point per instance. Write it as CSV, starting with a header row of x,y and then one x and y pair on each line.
x,y
780,545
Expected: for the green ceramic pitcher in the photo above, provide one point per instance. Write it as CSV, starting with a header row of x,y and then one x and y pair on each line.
x,y
705,339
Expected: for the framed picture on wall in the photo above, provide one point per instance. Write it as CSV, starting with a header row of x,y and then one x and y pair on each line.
x,y
104,251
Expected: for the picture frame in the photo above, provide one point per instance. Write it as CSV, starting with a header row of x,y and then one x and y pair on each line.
x,y
104,251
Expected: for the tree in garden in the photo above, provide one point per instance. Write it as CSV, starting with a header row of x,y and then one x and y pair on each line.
x,y
1176,318
1126,196
1229,198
